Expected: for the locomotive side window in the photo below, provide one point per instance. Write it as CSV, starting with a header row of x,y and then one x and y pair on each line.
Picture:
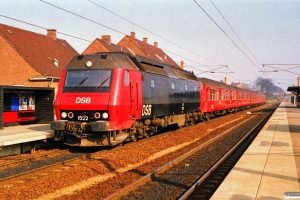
x,y
173,85
186,87
152,83
126,78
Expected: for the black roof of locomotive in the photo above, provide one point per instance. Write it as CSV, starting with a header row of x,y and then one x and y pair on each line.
x,y
153,66
105,60
111,60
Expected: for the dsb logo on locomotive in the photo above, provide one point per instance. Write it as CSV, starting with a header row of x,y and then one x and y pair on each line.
x,y
146,110
83,100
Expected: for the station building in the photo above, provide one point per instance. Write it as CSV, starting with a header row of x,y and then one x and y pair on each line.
x,y
30,68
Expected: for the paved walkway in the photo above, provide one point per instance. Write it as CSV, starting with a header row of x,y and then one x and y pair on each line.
x,y
25,133
271,165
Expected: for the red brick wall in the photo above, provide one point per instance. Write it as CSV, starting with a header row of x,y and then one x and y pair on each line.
x,y
127,42
14,70
95,47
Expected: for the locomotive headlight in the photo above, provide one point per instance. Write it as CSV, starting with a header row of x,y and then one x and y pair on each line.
x,y
70,115
63,114
97,115
105,115
88,64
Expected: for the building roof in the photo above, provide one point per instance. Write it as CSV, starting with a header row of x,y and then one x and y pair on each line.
x,y
104,45
151,51
46,54
293,89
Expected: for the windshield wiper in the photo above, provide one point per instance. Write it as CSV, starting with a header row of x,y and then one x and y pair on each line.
x,y
101,83
81,82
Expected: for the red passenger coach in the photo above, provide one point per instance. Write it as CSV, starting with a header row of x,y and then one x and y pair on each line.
x,y
217,98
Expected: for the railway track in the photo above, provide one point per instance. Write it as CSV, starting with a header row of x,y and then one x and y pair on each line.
x,y
187,177
27,169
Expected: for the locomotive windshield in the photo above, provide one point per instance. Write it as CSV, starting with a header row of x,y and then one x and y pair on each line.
x,y
87,81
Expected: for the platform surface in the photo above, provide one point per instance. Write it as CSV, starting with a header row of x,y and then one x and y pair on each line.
x,y
25,133
270,166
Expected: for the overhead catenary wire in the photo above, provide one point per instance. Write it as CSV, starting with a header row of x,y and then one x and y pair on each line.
x,y
44,28
151,32
85,19
225,34
115,29
234,31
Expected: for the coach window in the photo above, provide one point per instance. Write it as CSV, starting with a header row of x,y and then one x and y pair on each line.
x,y
233,95
216,94
152,83
126,78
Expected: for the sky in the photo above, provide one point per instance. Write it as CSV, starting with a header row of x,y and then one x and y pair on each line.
x,y
237,39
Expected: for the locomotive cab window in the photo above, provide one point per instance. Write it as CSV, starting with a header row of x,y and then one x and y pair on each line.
x,y
87,80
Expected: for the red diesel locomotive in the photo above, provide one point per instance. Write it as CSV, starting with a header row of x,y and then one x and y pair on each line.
x,y
106,98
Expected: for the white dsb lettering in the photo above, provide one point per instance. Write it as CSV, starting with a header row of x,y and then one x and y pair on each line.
x,y
83,100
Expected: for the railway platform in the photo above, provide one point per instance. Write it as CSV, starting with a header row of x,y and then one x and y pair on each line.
x,y
270,167
23,138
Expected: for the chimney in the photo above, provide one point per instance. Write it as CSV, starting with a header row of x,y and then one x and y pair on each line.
x,y
51,33
145,40
156,44
225,80
107,39
132,35
181,64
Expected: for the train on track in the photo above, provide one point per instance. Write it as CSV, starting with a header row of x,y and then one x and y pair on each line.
x,y
108,98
